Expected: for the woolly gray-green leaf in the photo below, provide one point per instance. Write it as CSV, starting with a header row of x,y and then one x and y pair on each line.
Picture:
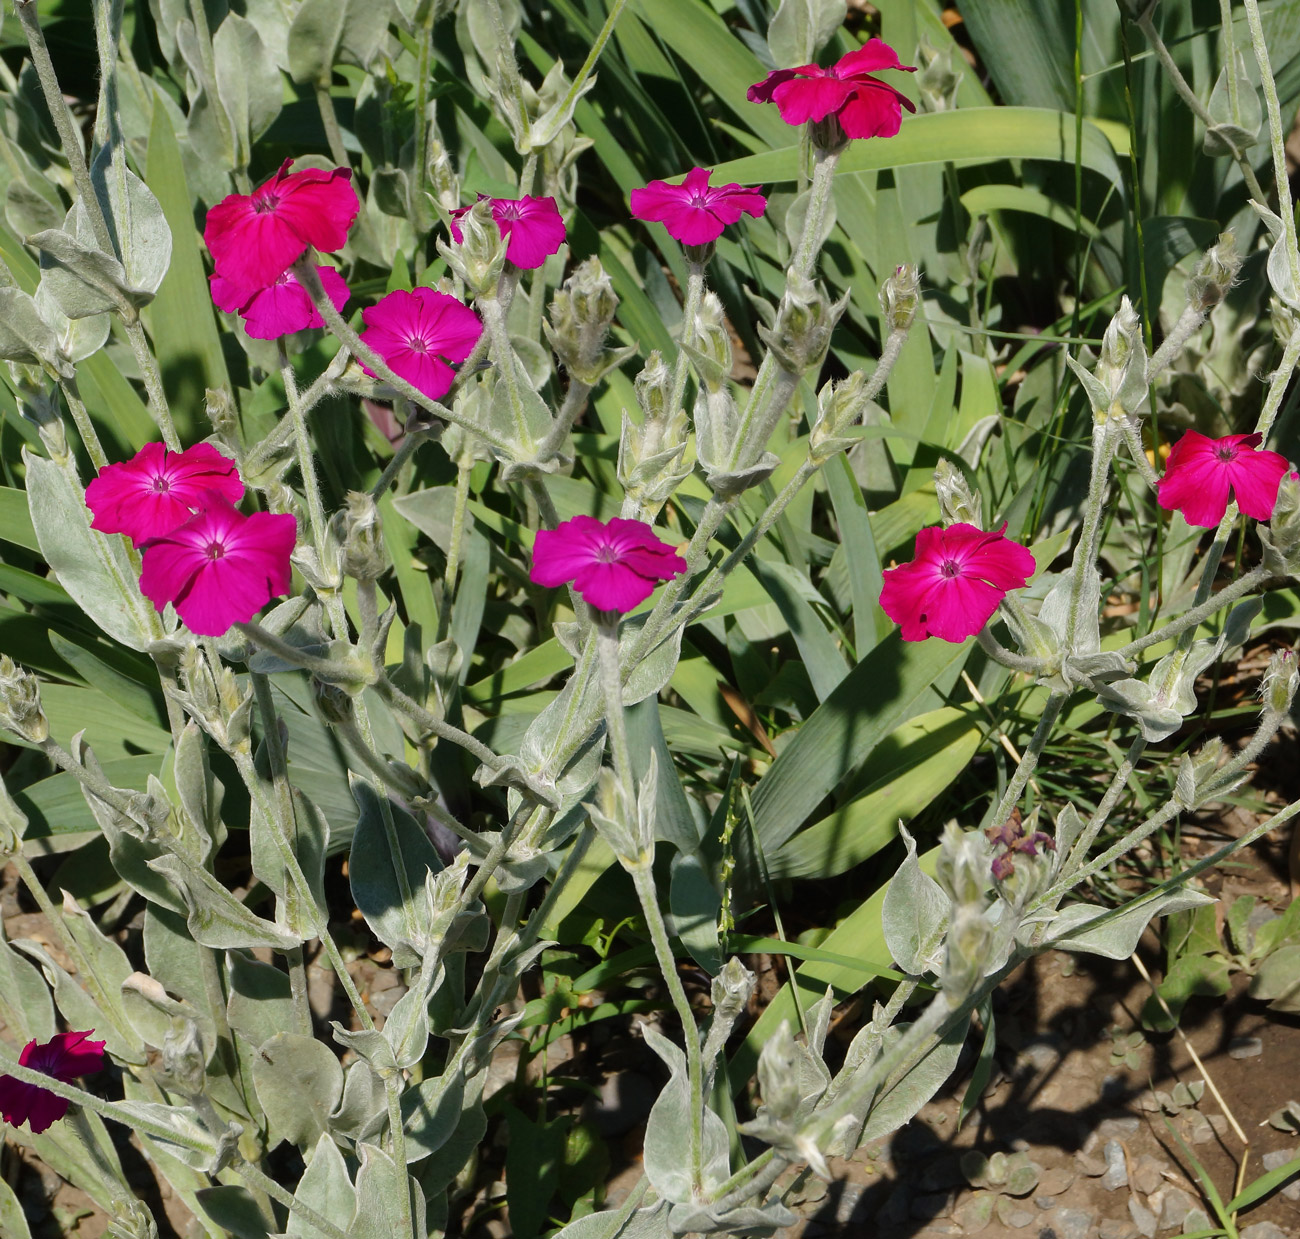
x,y
299,1082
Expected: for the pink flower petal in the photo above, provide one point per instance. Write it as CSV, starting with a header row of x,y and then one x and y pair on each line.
x,y
613,566
872,55
65,1057
803,99
874,110
612,587
534,228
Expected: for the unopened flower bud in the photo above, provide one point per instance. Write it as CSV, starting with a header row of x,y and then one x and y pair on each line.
x,y
804,321
580,318
778,1077
1281,537
828,134
1280,681
1214,274
221,412
235,703
966,957
959,504
731,990
333,702
183,1058
708,342
937,81
481,253
964,866
900,297
358,531
1285,321
1117,386
442,175
1196,774
20,703
650,455
13,822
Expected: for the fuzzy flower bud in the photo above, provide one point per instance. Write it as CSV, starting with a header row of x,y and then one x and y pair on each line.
x,y
650,455
358,531
900,297
478,258
964,866
221,412
804,321
1285,321
1117,387
581,314
13,823
937,81
20,703
709,343
1197,772
959,504
1281,538
840,407
968,946
1281,679
333,702
442,176
183,1058
1214,274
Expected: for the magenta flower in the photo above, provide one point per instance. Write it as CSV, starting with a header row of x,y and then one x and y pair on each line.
x,y
865,106
282,307
532,226
64,1057
1201,471
695,212
253,238
157,490
220,568
955,583
418,333
615,566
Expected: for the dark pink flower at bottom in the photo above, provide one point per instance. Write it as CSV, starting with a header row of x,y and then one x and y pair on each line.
x,y
281,308
954,584
64,1057
1201,471
614,566
865,106
532,227
695,212
156,490
418,333
220,568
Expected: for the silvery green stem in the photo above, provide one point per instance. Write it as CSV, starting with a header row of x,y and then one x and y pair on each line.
x,y
762,1172
1079,852
1189,97
1004,657
423,78
153,384
1225,27
303,451
306,275
575,400
326,668
406,449
105,1109
459,505
611,684
1029,758
1190,619
256,1178
1270,723
506,61
1278,385
819,201
1085,554
393,1086
284,802
572,862
85,427
691,307
1188,324
431,723
598,46
890,352
1133,437
58,109
1277,137
330,121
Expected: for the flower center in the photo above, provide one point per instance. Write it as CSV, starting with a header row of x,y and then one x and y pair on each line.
x,y
507,210
1226,453
417,343
699,200
214,550
950,569
607,555
266,203
161,485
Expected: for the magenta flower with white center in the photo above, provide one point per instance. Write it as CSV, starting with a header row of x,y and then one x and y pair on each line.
x,y
954,584
695,212
532,227
64,1057
253,238
1201,472
220,568
418,334
865,106
282,307
613,565
157,490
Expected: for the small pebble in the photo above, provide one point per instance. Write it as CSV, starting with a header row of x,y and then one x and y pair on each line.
x,y
1116,1175
1044,1203
1073,1224
1117,1129
1040,1056
1093,1167
1148,1174
1275,1161
1196,1220
1117,1228
940,1227
1174,1207
1143,1218
1263,1230
1055,1181
1245,1047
